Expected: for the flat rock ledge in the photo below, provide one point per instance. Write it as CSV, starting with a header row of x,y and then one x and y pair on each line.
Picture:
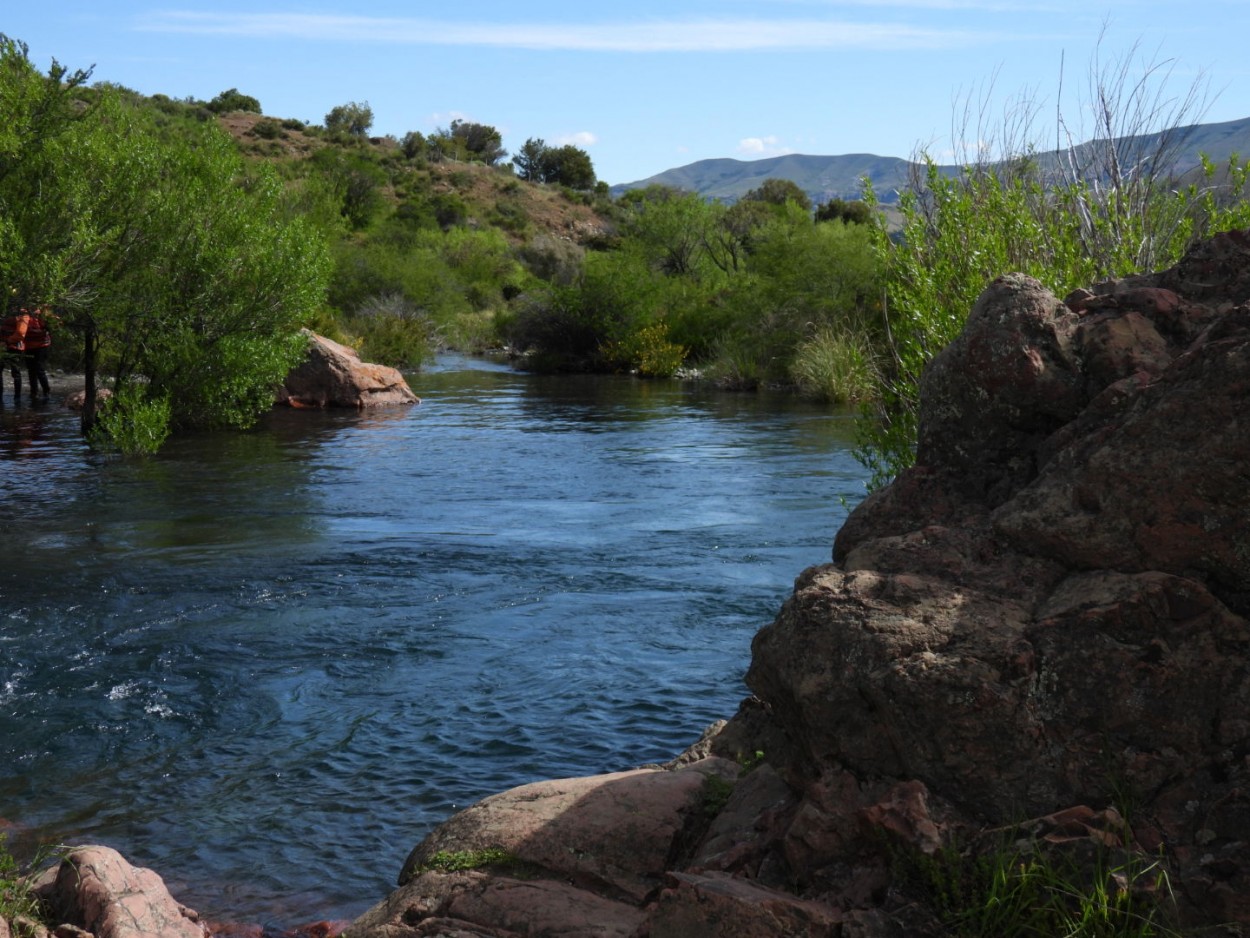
x,y
1038,632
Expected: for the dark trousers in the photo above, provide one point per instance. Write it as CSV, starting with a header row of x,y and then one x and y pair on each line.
x,y
37,370
15,362
34,363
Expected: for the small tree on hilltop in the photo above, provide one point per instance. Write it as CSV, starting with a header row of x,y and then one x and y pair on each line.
x,y
354,118
480,141
570,166
530,160
233,100
413,145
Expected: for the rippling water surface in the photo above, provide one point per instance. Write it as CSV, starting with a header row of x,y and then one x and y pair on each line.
x,y
266,664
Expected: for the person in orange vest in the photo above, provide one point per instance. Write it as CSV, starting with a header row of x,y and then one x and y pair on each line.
x,y
36,338
14,348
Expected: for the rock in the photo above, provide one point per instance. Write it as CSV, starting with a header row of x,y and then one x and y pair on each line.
x,y
334,376
97,890
591,850
715,905
1049,609
77,400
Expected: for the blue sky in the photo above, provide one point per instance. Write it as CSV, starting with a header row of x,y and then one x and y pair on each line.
x,y
649,85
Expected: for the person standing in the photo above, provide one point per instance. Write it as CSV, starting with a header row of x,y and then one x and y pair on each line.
x,y
12,333
37,338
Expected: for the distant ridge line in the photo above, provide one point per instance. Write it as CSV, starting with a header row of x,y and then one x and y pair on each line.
x,y
828,177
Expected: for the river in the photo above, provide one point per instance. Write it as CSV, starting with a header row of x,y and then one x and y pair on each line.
x,y
266,664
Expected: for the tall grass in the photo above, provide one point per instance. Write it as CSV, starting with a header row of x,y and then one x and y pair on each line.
x,y
1020,891
836,366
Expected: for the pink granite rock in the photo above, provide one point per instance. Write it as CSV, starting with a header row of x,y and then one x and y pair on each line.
x,y
334,376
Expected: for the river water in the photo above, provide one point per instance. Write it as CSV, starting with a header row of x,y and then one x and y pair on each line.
x,y
266,664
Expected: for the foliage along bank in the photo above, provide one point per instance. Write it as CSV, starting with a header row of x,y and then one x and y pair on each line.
x,y
180,269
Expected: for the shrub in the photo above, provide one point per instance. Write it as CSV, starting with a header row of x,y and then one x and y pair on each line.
x,y
646,351
392,331
1090,212
836,366
133,422
267,129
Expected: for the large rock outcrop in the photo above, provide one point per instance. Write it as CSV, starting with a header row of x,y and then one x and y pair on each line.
x,y
1041,628
332,375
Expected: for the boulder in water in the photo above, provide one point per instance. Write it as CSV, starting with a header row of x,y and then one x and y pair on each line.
x,y
332,375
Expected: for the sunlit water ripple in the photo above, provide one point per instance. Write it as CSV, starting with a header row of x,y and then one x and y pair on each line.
x,y
266,664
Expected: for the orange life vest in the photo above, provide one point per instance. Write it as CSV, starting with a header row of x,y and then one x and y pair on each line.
x,y
37,333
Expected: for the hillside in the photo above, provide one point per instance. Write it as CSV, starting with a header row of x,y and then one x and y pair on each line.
x,y
493,195
827,177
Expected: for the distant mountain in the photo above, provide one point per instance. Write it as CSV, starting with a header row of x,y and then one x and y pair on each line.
x,y
828,177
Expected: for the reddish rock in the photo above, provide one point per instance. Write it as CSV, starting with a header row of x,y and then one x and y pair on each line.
x,y
1049,609
334,376
77,400
714,905
97,890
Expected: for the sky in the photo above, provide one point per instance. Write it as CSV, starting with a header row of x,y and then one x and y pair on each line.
x,y
649,85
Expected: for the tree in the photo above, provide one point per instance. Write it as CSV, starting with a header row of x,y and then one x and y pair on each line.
x,y
779,192
854,211
233,100
531,160
481,142
354,118
413,145
565,166
569,166
190,283
669,227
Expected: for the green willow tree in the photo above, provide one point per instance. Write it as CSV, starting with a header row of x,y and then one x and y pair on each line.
x,y
182,270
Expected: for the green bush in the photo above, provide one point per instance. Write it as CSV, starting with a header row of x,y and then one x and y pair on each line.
x,y
836,366
132,421
267,129
647,351
391,331
1094,211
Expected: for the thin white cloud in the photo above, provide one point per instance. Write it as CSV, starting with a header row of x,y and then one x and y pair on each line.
x,y
762,146
984,6
724,35
583,138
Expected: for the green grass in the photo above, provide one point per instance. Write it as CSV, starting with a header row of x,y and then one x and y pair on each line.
x,y
452,861
17,898
836,366
1021,891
